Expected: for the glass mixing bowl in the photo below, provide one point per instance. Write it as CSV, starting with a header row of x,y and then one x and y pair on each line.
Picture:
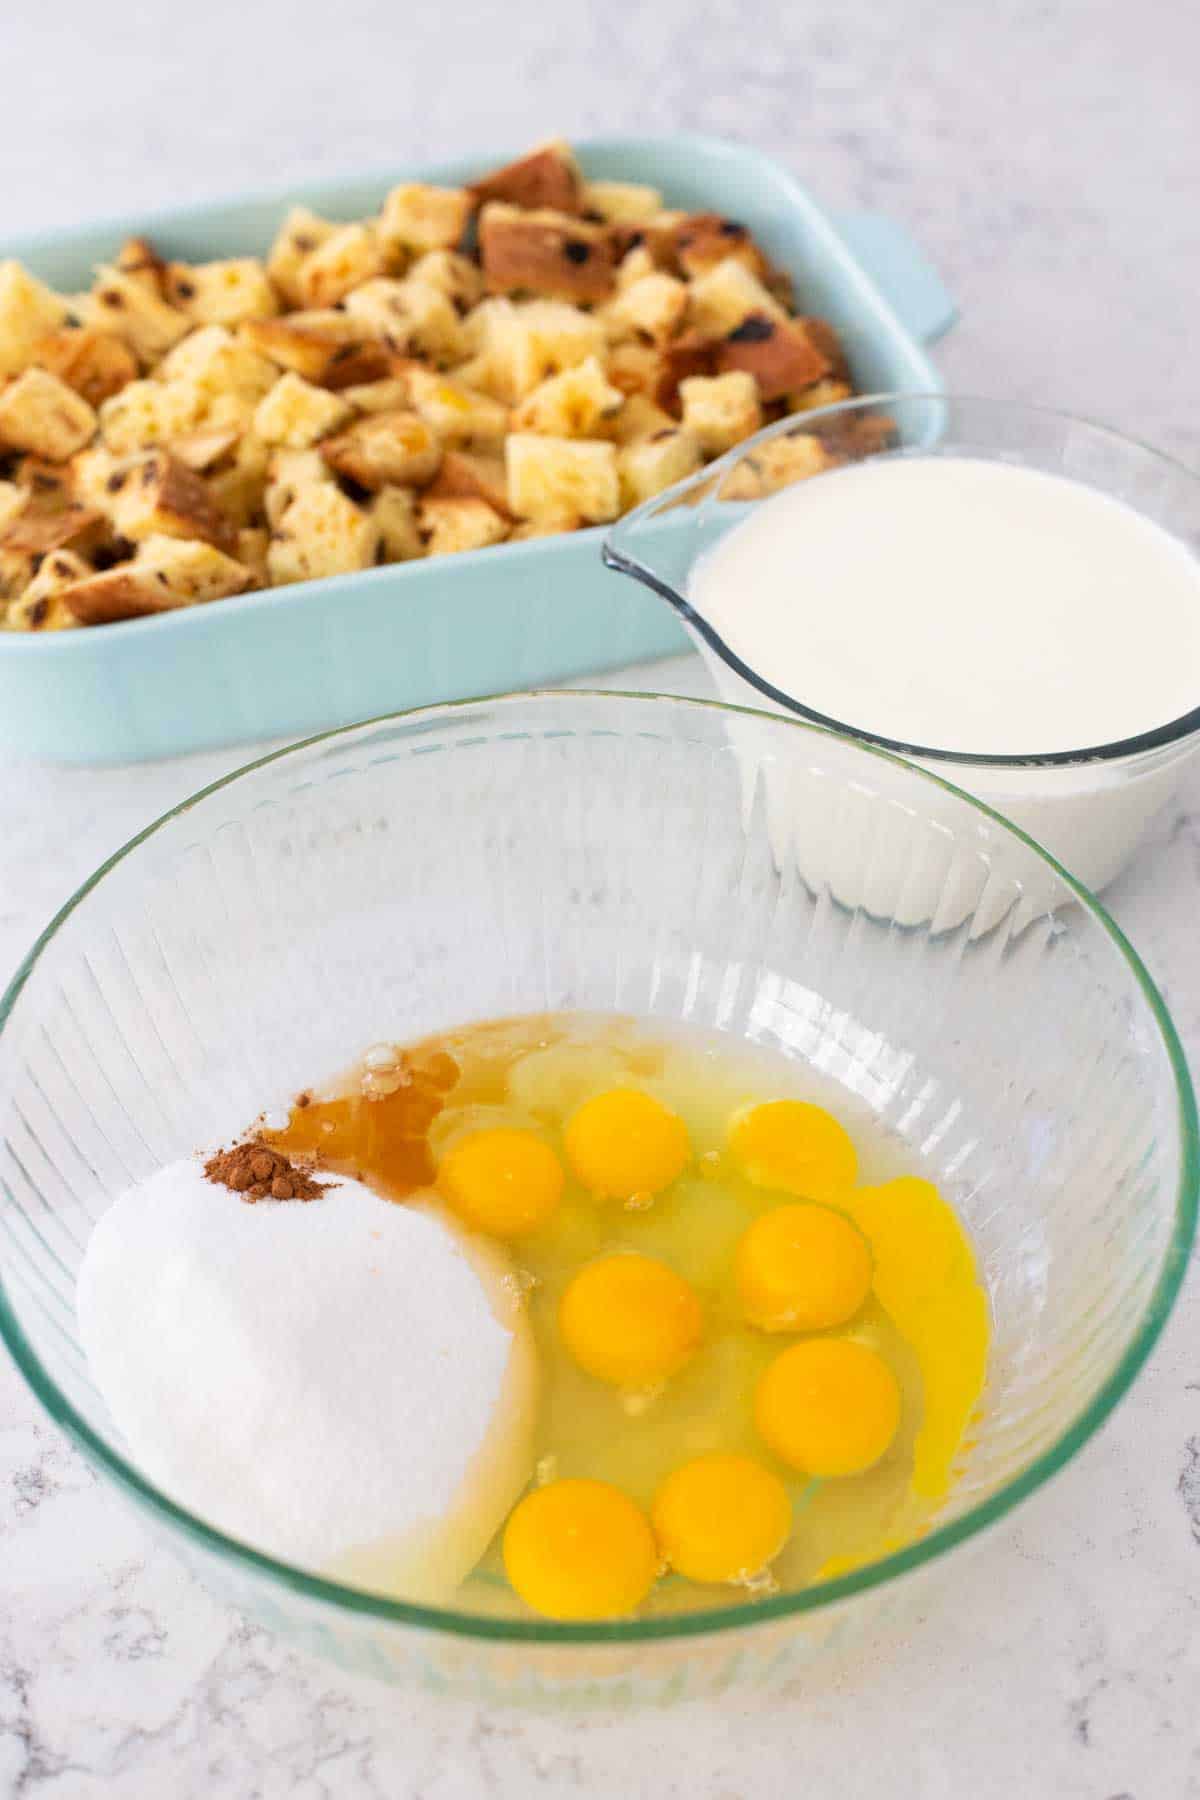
x,y
1090,805
605,851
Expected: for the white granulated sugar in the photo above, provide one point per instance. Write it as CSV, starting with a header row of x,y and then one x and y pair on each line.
x,y
341,1383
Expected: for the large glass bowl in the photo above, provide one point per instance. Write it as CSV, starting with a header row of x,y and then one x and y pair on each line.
x,y
613,852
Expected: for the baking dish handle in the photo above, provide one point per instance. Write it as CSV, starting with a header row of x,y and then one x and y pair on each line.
x,y
902,272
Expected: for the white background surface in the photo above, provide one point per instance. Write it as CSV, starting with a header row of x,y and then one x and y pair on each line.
x,y
1047,155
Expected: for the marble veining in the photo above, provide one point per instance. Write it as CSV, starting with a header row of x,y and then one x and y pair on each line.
x,y
1045,153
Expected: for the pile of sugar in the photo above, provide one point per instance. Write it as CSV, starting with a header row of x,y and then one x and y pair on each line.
x,y
344,1384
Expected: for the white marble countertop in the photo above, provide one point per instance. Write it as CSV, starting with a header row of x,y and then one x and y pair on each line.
x,y
1044,151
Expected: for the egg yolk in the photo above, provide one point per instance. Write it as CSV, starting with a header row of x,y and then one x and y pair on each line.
x,y
626,1142
505,1183
791,1145
580,1550
721,1518
802,1268
829,1407
630,1320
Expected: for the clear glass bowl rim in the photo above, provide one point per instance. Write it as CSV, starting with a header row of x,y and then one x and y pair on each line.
x,y
689,1625
623,563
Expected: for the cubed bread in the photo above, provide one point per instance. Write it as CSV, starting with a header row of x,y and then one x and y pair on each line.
x,y
166,573
417,217
394,513
793,456
546,253
222,293
362,364
322,533
139,258
621,202
651,464
550,526
29,311
576,403
295,413
779,353
95,363
45,486
821,393
12,501
472,475
390,395
289,473
525,343
238,488
41,414
456,412
448,526
36,533
349,256
640,417
395,449
91,473
547,177
411,314
149,412
307,343
720,410
453,275
302,232
130,308
253,543
703,240
555,476
634,368
691,354
42,607
219,363
655,305
634,266
156,496
727,294
204,449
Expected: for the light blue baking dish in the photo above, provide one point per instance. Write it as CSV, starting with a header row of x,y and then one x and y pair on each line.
x,y
300,659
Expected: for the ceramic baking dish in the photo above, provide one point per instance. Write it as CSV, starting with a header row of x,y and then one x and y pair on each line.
x,y
298,659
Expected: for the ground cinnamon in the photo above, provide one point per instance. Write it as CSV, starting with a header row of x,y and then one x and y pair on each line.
x,y
257,1172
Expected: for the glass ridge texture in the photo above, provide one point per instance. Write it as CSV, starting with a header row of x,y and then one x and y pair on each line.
x,y
672,859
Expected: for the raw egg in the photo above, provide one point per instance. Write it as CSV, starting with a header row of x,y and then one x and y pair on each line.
x,y
580,1550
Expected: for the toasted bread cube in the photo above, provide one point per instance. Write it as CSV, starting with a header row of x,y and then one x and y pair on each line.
x,y
416,217
321,533
450,525
703,240
451,274
656,236
36,534
348,257
253,543
296,414
41,607
555,475
777,464
91,473
156,496
576,403
47,486
238,491
13,500
551,526
691,354
621,202
545,253
29,311
651,464
634,266
221,293
634,368
304,342
410,313
721,410
129,307
655,305
548,176
780,354
524,344
95,363
372,361
219,363
166,573
301,233
204,449
639,418
727,294
391,395
122,592
472,475
394,512
149,412
822,393
289,473
139,259
40,413
456,412
396,449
